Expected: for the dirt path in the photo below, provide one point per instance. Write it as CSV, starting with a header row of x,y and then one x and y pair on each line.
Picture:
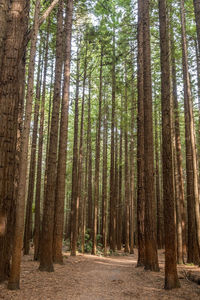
x,y
88,277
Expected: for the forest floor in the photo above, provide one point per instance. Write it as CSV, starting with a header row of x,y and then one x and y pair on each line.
x,y
88,277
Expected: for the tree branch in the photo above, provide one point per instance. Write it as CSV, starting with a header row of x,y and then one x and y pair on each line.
x,y
43,18
48,11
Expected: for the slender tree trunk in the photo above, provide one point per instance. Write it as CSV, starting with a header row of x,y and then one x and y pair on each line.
x,y
105,179
126,171
191,158
151,257
28,230
89,150
180,188
197,18
140,142
171,276
132,182
81,153
178,219
198,92
48,128
120,202
75,199
116,177
14,279
38,181
158,194
97,160
62,154
46,242
84,209
112,157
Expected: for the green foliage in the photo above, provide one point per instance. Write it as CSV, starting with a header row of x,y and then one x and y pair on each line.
x,y
88,243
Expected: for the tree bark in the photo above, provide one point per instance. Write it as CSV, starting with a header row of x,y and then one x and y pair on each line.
x,y
179,159
171,276
97,161
151,257
11,85
191,157
46,242
158,193
112,156
89,150
140,142
28,219
197,18
3,25
126,169
38,179
120,200
14,279
75,199
62,154
81,154
104,179
132,181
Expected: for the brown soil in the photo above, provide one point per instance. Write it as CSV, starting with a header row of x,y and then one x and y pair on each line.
x,y
87,277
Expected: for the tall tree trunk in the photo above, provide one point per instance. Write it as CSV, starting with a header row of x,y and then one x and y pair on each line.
x,y
48,127
12,64
179,159
191,158
178,219
120,201
62,154
46,242
28,221
198,92
171,276
38,180
126,170
112,156
97,160
158,194
75,199
116,176
14,279
81,152
132,182
89,150
28,231
151,257
140,142
197,18
84,207
105,179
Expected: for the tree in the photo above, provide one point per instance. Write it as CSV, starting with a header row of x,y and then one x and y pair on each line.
x,y
61,168
151,258
171,277
12,64
191,158
197,18
46,241
14,278
97,159
140,141
75,199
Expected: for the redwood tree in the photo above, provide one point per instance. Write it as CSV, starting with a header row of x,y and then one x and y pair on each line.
x,y
171,277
